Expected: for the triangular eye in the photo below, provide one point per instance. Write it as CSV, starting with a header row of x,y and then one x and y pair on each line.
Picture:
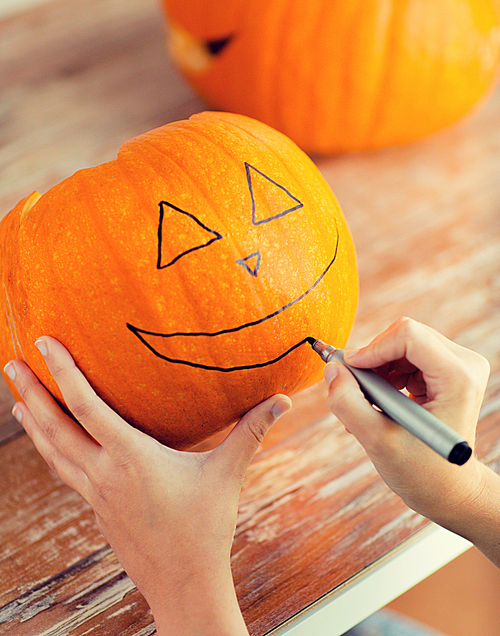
x,y
278,201
180,233
251,263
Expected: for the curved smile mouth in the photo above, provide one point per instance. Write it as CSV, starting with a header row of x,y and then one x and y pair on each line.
x,y
195,343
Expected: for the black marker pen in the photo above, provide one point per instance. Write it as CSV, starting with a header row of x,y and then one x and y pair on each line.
x,y
401,409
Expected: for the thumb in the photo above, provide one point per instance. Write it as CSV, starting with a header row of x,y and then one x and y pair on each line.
x,y
242,443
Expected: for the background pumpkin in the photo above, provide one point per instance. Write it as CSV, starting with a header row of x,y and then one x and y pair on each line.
x,y
340,75
184,275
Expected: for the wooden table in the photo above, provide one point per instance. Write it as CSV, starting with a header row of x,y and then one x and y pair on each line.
x,y
79,77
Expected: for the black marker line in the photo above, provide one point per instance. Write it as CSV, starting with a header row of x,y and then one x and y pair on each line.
x,y
276,216
243,263
206,367
217,235
137,332
193,249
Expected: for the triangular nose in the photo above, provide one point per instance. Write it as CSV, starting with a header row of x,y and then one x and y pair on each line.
x,y
251,263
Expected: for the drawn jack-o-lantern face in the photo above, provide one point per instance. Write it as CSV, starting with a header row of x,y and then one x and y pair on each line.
x,y
184,276
181,234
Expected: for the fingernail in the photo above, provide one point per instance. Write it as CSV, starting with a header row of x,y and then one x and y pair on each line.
x,y
10,370
331,372
17,413
280,408
41,345
350,354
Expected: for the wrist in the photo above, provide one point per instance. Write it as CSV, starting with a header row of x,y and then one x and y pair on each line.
x,y
478,519
204,602
475,511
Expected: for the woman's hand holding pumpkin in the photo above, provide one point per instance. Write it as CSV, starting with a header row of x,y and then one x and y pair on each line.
x,y
169,515
448,380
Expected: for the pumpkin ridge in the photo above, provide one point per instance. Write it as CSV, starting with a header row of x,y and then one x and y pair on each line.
x,y
224,122
140,191
326,112
195,185
71,301
315,64
273,97
11,321
269,148
378,103
200,193
226,129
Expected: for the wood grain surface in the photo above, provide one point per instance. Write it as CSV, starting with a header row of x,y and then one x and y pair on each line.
x,y
78,78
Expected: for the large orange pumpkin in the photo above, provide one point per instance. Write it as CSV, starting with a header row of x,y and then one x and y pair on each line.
x,y
184,276
339,75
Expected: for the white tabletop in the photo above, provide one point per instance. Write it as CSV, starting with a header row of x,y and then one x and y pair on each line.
x,y
376,586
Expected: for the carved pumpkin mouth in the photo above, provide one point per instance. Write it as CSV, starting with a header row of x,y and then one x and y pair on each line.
x,y
208,350
192,55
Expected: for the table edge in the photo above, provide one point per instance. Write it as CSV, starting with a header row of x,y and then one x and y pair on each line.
x,y
416,558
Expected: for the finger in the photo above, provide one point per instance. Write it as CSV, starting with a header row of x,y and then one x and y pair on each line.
x,y
416,385
239,447
105,426
348,403
64,434
399,366
452,374
66,469
397,379
426,349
